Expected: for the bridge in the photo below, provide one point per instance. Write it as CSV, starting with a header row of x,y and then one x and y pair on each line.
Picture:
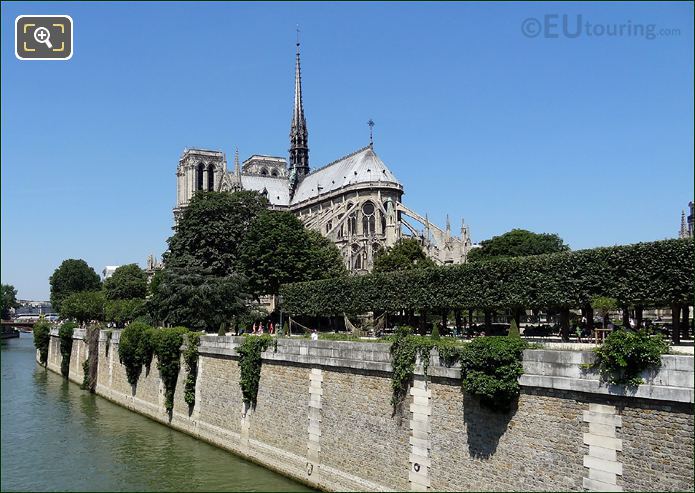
x,y
29,324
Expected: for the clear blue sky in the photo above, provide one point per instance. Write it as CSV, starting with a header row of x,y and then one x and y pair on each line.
x,y
590,138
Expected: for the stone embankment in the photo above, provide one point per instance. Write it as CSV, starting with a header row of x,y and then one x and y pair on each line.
x,y
323,416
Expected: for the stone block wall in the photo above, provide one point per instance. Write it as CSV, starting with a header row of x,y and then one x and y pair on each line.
x,y
324,417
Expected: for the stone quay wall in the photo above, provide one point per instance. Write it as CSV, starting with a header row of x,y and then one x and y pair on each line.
x,y
324,417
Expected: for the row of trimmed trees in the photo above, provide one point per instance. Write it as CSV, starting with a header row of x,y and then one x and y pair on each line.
x,y
644,275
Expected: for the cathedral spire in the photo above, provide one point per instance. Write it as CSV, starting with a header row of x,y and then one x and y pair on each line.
x,y
237,168
683,233
299,135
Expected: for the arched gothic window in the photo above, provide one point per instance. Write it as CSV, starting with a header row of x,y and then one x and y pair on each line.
x,y
368,219
356,257
211,177
340,229
264,171
274,172
352,223
199,177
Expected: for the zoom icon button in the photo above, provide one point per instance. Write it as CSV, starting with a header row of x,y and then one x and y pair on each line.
x,y
43,37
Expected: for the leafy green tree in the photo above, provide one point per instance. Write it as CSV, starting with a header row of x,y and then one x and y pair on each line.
x,y
325,260
406,254
9,300
603,305
127,282
211,229
278,249
518,243
84,306
197,299
73,276
122,311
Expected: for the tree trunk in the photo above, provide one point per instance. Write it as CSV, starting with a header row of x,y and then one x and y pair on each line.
x,y
675,324
459,322
409,316
517,316
470,317
488,321
684,322
626,318
639,313
445,321
565,324
588,313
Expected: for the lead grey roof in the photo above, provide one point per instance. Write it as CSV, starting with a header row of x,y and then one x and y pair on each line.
x,y
278,188
361,166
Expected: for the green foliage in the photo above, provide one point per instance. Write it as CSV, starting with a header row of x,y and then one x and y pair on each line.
x,y
624,355
490,368
514,329
406,254
278,249
197,298
656,273
127,282
190,359
73,276
85,375
435,333
167,347
42,338
134,349
405,349
211,230
250,365
603,305
517,243
324,258
9,300
65,333
83,306
122,311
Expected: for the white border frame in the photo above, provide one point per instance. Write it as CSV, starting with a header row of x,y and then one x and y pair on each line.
x,y
72,35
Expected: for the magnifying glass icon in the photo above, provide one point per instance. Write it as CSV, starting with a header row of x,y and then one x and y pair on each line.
x,y
43,35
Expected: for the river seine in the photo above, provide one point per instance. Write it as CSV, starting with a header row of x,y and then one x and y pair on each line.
x,y
56,437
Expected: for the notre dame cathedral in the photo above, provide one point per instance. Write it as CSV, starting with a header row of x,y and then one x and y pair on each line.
x,y
355,201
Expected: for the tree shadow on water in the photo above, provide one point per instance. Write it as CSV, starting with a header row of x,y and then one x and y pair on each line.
x,y
484,427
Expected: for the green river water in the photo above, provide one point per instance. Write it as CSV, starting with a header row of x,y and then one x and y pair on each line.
x,y
57,437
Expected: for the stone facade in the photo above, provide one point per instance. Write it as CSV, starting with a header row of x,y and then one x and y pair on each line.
x,y
324,417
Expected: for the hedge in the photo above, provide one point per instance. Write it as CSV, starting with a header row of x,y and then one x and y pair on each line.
x,y
658,273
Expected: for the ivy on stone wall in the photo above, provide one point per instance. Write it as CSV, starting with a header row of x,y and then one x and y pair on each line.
x,y
65,333
134,349
624,355
109,334
490,370
647,274
250,365
167,347
190,359
42,338
85,375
